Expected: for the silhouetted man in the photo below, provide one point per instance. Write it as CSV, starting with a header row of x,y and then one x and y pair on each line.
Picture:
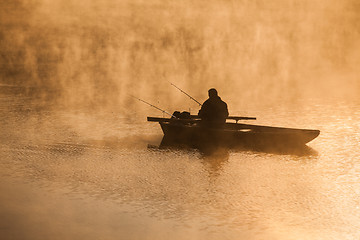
x,y
214,111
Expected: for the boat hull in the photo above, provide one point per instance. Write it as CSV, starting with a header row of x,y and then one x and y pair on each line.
x,y
236,134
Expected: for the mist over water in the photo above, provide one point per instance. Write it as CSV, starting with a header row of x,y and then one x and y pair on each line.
x,y
78,159
97,53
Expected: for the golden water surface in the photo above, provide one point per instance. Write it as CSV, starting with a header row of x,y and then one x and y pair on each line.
x,y
96,175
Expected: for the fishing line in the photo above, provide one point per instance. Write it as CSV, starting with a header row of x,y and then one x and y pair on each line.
x,y
163,111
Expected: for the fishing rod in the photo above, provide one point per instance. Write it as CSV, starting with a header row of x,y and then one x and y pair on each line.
x,y
154,106
186,94
229,117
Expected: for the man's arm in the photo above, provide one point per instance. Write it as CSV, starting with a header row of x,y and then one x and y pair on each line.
x,y
203,109
226,111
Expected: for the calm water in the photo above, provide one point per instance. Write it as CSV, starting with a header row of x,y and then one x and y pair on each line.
x,y
76,174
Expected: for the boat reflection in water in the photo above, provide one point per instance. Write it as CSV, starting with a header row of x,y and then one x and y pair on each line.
x,y
211,149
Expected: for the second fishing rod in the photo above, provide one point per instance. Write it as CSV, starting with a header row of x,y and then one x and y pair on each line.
x,y
186,94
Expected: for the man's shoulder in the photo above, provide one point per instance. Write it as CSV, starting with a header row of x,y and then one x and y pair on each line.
x,y
221,101
214,101
207,101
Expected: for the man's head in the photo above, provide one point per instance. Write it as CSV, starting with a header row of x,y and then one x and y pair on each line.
x,y
212,93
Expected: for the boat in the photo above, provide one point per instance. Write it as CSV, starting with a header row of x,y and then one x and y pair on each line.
x,y
193,132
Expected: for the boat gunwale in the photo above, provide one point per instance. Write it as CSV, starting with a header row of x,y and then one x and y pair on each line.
x,y
228,126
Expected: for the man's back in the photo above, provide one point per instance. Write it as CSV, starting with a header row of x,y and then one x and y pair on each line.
x,y
214,110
